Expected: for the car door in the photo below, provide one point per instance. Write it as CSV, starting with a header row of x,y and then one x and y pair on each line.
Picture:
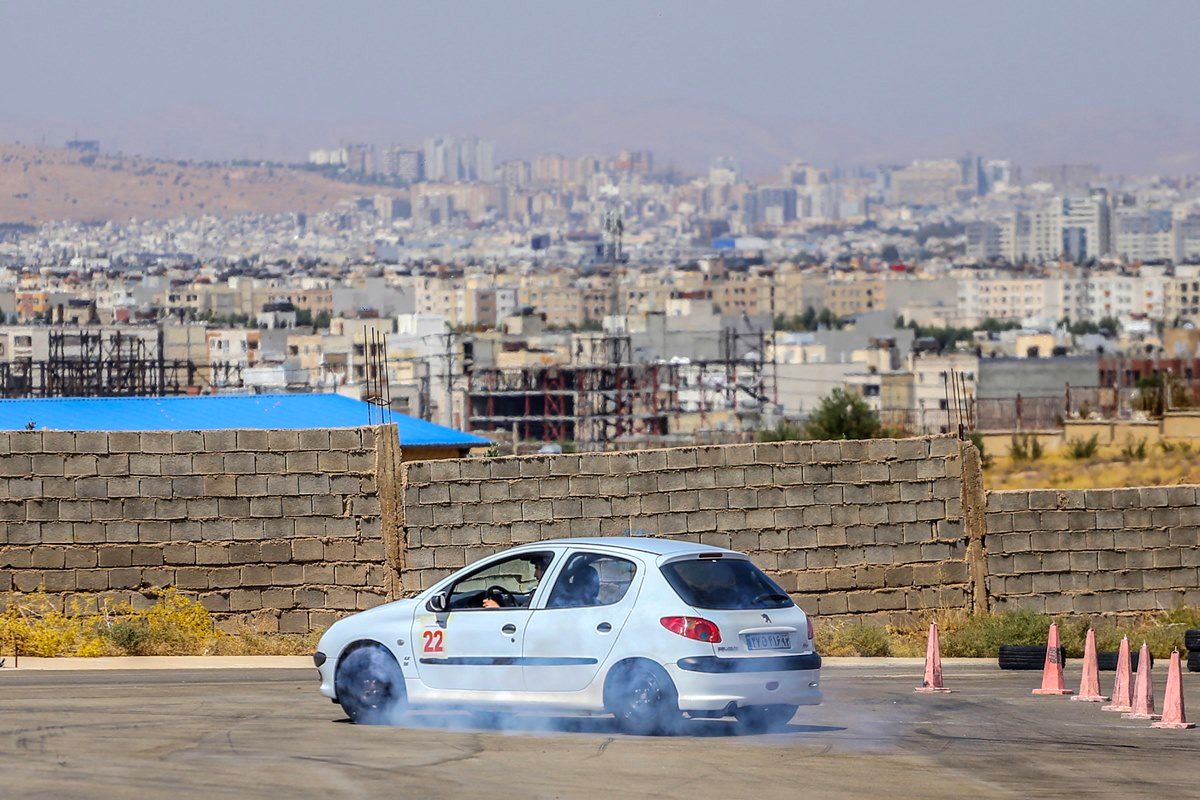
x,y
470,647
574,628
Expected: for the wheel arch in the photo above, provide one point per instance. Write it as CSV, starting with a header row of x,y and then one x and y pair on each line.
x,y
624,666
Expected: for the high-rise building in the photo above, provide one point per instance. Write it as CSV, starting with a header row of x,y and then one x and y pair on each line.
x,y
360,158
405,163
639,161
451,160
983,241
999,175
1143,234
1187,239
551,169
724,171
1085,226
441,159
771,206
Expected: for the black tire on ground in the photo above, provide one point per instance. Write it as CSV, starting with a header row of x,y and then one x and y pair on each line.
x,y
1107,661
1193,662
370,686
763,719
1191,639
1028,657
643,699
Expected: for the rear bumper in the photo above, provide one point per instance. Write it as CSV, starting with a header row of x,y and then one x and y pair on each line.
x,y
709,683
714,664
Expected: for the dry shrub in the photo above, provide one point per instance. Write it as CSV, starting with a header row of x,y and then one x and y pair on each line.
x,y
173,625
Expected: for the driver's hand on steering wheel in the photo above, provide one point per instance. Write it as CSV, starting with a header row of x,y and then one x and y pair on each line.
x,y
490,603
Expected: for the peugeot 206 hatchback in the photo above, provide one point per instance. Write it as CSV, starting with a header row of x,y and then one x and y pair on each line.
x,y
643,629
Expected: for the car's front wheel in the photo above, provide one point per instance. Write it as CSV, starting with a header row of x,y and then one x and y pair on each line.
x,y
643,700
370,686
763,719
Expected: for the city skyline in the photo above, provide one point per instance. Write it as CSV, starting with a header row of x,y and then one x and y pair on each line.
x,y
856,84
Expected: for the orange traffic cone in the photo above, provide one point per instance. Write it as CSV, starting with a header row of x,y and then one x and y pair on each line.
x,y
1089,686
1122,694
1143,689
1173,716
1052,672
933,664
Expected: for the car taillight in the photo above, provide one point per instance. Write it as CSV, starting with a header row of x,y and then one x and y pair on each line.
x,y
811,635
696,628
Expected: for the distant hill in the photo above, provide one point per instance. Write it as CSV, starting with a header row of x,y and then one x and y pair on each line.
x,y
39,184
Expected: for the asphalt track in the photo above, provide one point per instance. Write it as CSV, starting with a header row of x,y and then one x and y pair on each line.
x,y
267,734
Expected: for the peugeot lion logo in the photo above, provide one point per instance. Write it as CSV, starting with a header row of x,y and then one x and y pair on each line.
x,y
766,618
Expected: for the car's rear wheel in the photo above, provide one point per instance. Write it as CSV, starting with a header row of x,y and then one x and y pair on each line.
x,y
763,719
370,686
644,700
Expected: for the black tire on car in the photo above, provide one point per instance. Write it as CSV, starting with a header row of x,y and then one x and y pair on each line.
x,y
370,686
1193,661
763,719
643,700
1191,639
1027,657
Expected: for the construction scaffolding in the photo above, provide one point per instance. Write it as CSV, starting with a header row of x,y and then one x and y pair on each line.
x,y
83,363
605,397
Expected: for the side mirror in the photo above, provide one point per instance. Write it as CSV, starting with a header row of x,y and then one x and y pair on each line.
x,y
438,603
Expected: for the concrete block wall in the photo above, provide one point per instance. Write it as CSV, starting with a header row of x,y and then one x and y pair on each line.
x,y
281,529
1095,551
871,529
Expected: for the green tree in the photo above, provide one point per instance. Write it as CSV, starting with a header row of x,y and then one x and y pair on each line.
x,y
784,431
843,414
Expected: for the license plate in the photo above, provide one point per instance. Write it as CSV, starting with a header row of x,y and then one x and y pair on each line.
x,y
769,641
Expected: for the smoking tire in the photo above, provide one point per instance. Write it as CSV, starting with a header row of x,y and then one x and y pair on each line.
x,y
1027,657
370,686
643,700
763,719
1191,639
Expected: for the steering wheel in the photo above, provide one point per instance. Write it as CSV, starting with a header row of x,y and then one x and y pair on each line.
x,y
503,597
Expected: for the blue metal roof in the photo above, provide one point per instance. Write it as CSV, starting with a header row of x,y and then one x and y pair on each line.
x,y
219,412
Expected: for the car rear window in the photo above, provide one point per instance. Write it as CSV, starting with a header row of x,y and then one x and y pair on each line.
x,y
724,584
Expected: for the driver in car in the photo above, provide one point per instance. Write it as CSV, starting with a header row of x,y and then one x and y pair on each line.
x,y
539,569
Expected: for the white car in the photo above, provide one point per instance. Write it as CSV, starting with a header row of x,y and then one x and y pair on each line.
x,y
644,629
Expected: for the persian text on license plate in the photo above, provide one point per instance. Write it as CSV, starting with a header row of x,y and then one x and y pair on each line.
x,y
769,641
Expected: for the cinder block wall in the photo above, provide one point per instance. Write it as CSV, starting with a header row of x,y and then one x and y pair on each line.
x,y
1110,551
867,528
281,529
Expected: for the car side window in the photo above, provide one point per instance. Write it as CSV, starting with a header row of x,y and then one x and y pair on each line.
x,y
592,579
509,583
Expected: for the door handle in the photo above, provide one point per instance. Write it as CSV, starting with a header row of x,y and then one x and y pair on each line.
x,y
604,627
509,629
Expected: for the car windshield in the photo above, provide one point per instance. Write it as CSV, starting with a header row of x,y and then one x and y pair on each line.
x,y
724,584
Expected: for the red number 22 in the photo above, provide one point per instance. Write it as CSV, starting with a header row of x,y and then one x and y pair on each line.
x,y
433,641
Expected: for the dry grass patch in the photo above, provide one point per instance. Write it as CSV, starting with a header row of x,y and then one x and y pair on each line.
x,y
1164,464
980,636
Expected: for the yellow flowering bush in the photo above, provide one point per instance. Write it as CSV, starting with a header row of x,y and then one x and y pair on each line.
x,y
173,625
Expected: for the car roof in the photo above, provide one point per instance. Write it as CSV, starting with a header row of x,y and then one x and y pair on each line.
x,y
644,544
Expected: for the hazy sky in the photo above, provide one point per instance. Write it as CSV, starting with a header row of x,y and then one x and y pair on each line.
x,y
844,80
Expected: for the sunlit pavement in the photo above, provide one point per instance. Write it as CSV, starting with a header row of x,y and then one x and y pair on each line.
x,y
266,733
